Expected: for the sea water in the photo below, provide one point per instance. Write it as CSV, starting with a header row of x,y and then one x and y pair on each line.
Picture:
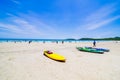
x,y
47,40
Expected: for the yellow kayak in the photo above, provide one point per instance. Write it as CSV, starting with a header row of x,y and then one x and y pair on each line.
x,y
54,56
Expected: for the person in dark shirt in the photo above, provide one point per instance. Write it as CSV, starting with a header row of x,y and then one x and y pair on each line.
x,y
29,42
94,43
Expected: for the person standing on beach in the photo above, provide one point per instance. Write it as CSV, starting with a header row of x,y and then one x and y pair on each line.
x,y
62,42
94,43
57,42
29,42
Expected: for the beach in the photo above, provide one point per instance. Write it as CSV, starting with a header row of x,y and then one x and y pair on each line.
x,y
24,61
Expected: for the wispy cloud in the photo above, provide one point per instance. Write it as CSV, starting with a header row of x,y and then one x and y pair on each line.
x,y
37,21
101,17
15,1
101,13
26,26
10,28
23,26
101,23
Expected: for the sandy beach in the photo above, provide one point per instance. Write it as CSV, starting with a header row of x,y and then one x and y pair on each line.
x,y
23,61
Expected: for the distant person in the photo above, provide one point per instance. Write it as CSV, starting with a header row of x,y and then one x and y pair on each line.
x,y
14,41
94,43
29,42
43,41
57,42
62,42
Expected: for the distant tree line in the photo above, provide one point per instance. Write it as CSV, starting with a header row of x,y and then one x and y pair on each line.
x,y
70,39
115,38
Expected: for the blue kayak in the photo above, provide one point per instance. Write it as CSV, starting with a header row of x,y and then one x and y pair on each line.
x,y
100,49
89,50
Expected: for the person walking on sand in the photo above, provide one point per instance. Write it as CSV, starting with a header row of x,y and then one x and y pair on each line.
x,y
94,43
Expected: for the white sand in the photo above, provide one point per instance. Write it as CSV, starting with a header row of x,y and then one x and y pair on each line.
x,y
23,61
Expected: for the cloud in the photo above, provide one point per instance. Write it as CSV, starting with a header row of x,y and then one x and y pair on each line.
x,y
22,25
101,17
101,13
27,27
99,24
36,20
15,1
10,28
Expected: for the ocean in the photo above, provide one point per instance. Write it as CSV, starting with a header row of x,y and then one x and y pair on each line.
x,y
47,40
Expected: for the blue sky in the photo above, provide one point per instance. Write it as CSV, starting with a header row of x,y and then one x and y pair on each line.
x,y
51,19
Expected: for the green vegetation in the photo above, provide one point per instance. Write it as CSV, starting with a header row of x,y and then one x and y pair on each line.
x,y
115,38
70,39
